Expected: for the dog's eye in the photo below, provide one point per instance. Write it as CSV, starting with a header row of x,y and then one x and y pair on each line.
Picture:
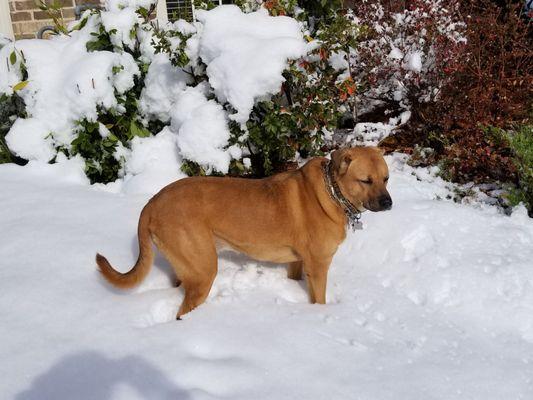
x,y
386,179
366,181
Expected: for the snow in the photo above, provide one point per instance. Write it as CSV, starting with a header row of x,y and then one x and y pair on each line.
x,y
118,5
371,133
396,54
247,53
153,163
34,144
202,130
199,125
123,22
414,61
431,300
339,62
164,84
4,40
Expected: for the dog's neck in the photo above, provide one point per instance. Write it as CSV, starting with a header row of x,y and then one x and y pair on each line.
x,y
352,213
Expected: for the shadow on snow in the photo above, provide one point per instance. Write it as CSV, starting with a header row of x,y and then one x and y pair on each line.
x,y
92,376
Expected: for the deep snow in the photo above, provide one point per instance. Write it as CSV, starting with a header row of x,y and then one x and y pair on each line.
x,y
432,300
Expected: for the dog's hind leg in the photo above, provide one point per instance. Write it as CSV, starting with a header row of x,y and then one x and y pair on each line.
x,y
193,256
196,291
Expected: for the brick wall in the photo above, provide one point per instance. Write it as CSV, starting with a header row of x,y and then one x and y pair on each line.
x,y
27,19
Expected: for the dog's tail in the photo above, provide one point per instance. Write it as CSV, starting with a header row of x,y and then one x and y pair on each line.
x,y
141,268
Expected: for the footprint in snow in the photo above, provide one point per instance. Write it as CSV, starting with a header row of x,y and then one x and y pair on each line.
x,y
160,312
417,243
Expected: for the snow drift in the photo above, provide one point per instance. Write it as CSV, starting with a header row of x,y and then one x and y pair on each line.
x,y
431,300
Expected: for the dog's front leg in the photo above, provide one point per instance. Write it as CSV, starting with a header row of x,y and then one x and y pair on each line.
x,y
316,272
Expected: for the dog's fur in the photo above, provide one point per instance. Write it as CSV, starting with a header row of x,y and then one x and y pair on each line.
x,y
286,218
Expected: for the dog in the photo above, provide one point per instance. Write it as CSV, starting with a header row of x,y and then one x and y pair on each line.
x,y
297,217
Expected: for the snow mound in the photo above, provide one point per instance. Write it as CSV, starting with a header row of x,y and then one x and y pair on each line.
x,y
203,131
247,53
154,163
163,84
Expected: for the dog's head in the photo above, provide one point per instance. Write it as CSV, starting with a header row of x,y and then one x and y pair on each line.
x,y
362,175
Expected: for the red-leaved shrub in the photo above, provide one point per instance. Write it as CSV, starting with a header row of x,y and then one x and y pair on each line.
x,y
491,85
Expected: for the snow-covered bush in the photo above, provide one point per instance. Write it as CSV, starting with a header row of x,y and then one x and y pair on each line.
x,y
491,87
390,58
99,93
283,97
234,61
317,89
11,108
303,116
234,92
11,104
407,53
80,91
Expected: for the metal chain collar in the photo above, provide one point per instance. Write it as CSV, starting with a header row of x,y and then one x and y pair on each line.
x,y
352,213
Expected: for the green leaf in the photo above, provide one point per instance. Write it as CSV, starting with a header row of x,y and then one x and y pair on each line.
x,y
136,130
81,25
92,127
240,166
13,57
109,143
20,85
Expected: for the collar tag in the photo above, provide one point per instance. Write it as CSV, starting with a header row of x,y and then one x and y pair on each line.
x,y
356,225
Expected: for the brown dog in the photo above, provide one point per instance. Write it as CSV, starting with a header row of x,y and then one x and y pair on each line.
x,y
297,217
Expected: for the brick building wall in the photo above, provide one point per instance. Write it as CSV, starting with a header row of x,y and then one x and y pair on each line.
x,y
27,19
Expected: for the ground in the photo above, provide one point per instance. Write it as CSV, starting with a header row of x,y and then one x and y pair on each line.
x,y
432,300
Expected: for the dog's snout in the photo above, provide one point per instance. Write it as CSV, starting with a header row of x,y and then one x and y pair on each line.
x,y
385,202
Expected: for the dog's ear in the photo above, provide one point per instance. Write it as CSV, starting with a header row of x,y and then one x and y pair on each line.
x,y
341,161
